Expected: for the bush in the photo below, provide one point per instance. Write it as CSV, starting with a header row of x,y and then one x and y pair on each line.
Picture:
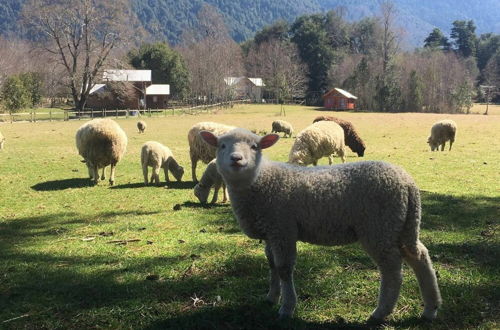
x,y
15,95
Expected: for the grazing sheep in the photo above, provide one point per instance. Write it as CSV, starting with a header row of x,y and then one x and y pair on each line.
x,y
441,132
2,141
210,178
375,203
318,140
101,142
199,150
352,139
282,126
141,126
158,156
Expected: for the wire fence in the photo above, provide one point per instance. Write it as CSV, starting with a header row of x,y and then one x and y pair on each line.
x,y
65,115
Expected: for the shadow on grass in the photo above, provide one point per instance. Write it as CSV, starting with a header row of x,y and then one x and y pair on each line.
x,y
195,205
169,185
62,184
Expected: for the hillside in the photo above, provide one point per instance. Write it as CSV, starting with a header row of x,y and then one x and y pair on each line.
x,y
167,19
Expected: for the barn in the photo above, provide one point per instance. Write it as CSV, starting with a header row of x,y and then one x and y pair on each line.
x,y
339,99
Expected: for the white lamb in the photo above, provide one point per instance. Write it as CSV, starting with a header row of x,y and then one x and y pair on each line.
x,y
321,139
282,126
211,177
158,156
2,141
198,149
441,132
101,142
375,203
141,126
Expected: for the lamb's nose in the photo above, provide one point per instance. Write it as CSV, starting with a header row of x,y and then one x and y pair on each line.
x,y
235,157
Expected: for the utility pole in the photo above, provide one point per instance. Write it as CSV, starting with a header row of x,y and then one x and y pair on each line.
x,y
487,90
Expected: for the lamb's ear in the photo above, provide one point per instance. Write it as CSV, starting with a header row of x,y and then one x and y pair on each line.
x,y
209,138
268,141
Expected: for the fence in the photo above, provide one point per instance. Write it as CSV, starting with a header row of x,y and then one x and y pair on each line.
x,y
52,115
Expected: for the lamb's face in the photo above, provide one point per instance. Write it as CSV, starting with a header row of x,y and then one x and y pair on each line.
x,y
201,193
178,173
433,144
239,153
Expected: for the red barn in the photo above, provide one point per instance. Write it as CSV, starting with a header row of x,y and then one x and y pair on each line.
x,y
339,99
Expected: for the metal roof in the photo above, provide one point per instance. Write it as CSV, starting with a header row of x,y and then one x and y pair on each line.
x,y
126,75
257,82
159,89
230,81
341,91
97,88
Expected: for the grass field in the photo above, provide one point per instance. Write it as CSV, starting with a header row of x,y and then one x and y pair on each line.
x,y
59,267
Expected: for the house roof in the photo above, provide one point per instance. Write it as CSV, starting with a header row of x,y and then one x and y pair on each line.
x,y
158,89
230,81
342,92
98,88
126,75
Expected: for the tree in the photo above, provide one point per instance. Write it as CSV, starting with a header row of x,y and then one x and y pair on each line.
x,y
81,34
33,83
464,38
415,99
436,40
167,66
15,96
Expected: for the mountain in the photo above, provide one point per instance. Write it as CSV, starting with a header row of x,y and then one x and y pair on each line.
x,y
168,19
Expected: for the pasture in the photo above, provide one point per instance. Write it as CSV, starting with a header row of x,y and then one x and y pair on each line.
x,y
76,256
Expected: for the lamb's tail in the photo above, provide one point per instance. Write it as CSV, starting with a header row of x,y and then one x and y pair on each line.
x,y
410,234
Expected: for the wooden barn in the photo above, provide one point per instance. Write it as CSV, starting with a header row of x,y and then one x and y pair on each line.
x,y
339,99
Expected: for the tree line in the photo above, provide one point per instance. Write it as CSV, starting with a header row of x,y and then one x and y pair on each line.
x,y
300,60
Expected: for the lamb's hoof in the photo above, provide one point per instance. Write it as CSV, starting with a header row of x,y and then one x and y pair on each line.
x,y
375,321
111,183
429,316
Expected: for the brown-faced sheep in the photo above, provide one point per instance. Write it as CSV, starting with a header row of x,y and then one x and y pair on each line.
x,y
282,126
442,131
158,156
101,142
198,149
321,139
211,177
352,139
141,126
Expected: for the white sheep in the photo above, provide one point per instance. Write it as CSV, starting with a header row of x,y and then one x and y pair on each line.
x,y
282,126
211,177
374,203
198,149
141,126
2,140
158,156
441,132
321,139
101,142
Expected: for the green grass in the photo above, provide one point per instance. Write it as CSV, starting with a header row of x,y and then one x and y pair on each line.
x,y
58,268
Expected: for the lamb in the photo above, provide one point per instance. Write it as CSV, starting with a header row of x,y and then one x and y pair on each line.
x,y
441,132
318,140
101,142
141,126
351,137
210,178
199,150
2,141
158,156
282,126
375,203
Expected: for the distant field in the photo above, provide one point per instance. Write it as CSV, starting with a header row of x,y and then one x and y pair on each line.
x,y
60,269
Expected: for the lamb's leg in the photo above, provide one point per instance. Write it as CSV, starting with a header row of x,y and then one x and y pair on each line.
x,y
427,281
341,153
166,166
451,143
194,160
112,174
216,193
330,159
224,193
442,146
103,174
389,262
156,175
273,295
145,173
284,254
95,174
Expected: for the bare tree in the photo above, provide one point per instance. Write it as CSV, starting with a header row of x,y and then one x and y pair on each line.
x,y
81,34
390,37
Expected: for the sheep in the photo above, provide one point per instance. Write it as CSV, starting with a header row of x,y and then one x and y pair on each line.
x,y
2,140
210,178
199,150
373,202
282,126
141,126
441,132
158,156
318,140
351,137
101,142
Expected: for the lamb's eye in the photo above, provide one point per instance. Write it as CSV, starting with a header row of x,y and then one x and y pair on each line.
x,y
254,146
223,146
